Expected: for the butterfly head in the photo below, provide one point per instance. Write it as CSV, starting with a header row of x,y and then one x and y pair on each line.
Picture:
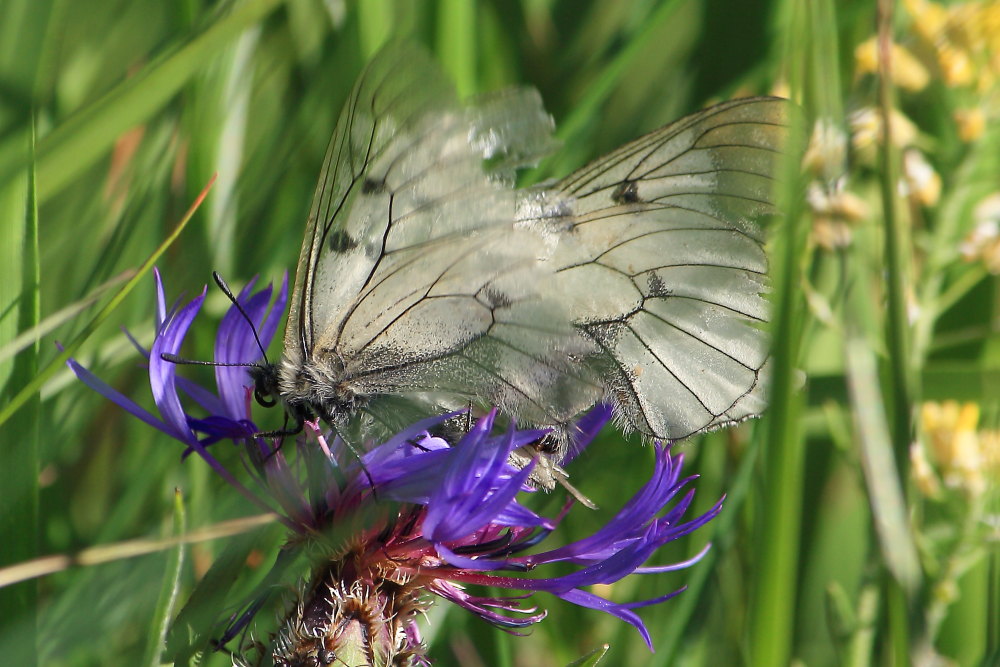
x,y
308,391
265,384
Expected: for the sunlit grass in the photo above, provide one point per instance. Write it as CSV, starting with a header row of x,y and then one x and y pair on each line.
x,y
138,105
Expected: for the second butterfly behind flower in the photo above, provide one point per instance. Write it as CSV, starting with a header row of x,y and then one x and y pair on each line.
x,y
425,275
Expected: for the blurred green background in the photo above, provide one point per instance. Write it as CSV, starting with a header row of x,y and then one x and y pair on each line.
x,y
862,515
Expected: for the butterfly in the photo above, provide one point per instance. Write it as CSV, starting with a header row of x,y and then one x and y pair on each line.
x,y
426,278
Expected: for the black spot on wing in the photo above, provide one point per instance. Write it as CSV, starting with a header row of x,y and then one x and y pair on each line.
x,y
493,298
340,241
657,288
627,192
373,187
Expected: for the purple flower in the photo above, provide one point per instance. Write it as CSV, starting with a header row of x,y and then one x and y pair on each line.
x,y
227,413
423,516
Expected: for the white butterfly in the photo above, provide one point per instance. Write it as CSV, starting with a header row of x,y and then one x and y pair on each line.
x,y
425,275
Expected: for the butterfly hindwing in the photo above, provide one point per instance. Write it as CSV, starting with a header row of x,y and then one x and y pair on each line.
x,y
664,236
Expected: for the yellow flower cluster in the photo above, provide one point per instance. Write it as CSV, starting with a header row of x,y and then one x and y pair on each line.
x,y
964,39
958,44
966,458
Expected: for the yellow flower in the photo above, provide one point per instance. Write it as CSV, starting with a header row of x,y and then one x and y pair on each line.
x,y
971,124
929,19
956,66
907,71
826,154
920,180
923,472
951,429
866,131
989,446
963,40
982,244
834,212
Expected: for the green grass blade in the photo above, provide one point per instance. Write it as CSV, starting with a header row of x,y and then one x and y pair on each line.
x,y
109,553
897,245
456,45
170,587
886,498
89,133
35,384
724,531
592,658
601,87
899,592
195,626
775,575
992,620
375,24
19,487
30,337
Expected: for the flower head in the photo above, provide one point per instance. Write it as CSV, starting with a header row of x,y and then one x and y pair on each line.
x,y
415,516
227,410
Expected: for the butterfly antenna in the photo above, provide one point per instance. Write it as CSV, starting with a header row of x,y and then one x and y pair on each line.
x,y
220,281
184,361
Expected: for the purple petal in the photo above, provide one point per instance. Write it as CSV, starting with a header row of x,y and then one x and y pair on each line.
x,y
235,344
390,447
115,396
467,563
481,606
681,565
650,602
673,532
162,373
219,428
630,521
516,515
456,517
143,351
208,401
586,429
412,479
591,601
270,325
477,485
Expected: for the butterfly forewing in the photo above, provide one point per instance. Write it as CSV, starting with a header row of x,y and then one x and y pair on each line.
x,y
413,278
380,103
664,266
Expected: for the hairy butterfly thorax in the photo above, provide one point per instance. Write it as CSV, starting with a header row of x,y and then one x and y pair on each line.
x,y
307,391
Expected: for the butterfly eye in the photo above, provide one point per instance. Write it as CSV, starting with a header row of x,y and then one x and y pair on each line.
x,y
263,399
265,384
